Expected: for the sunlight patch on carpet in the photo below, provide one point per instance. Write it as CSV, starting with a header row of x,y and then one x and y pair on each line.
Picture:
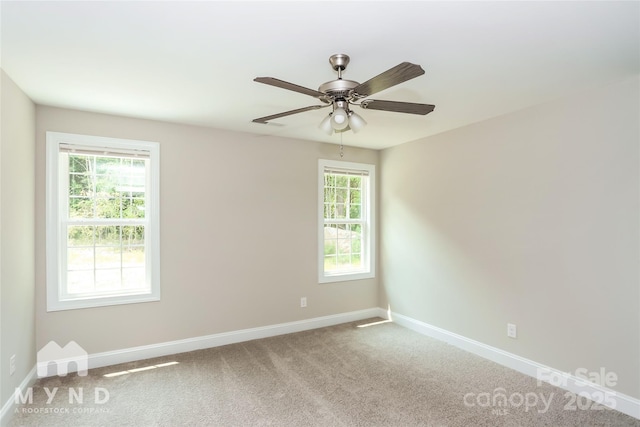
x,y
366,325
144,368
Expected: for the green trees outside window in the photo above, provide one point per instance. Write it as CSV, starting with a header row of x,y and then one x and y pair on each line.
x,y
110,190
343,215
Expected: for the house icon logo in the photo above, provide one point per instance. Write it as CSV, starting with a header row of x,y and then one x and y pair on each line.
x,y
62,357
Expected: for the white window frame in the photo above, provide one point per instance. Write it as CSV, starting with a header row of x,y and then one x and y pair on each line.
x,y
56,239
368,211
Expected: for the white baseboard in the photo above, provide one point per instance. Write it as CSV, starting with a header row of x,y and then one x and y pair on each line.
x,y
605,396
7,408
115,357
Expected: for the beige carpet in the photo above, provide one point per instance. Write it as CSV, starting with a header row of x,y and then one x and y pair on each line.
x,y
382,375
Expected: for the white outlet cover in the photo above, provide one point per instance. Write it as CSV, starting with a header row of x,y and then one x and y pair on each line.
x,y
512,331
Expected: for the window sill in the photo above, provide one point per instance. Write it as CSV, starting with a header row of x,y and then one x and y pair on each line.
x,y
345,277
73,304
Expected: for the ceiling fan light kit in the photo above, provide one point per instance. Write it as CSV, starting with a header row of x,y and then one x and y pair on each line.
x,y
341,94
339,117
356,123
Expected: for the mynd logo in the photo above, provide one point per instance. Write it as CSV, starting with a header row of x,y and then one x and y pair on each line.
x,y
62,357
70,358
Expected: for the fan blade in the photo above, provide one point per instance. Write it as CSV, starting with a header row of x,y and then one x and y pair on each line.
x,y
265,119
397,107
290,86
393,76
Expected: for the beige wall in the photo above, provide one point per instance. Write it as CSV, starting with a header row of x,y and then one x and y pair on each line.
x,y
17,148
530,218
238,236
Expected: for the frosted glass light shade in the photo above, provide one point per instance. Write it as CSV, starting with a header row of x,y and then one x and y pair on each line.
x,y
356,122
325,125
339,119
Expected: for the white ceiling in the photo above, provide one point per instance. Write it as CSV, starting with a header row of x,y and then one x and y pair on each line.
x,y
194,62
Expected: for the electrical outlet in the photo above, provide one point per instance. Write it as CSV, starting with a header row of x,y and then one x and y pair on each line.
x,y
512,331
303,302
12,365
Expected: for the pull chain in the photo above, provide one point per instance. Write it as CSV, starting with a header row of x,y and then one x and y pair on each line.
x,y
341,147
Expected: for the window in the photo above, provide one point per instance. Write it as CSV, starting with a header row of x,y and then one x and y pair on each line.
x,y
103,243
346,221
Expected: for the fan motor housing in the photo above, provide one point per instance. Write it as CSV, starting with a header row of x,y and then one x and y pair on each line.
x,y
339,88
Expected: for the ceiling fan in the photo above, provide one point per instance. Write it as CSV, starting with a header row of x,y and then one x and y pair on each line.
x,y
341,94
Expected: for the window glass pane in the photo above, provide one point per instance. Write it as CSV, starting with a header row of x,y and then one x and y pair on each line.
x,y
80,185
108,165
108,208
106,185
108,279
129,184
108,235
330,246
80,164
329,194
80,259
134,278
344,261
139,166
340,211
355,211
330,263
342,247
80,235
80,281
329,180
330,240
108,257
133,174
81,207
133,208
342,181
133,256
133,235
355,245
